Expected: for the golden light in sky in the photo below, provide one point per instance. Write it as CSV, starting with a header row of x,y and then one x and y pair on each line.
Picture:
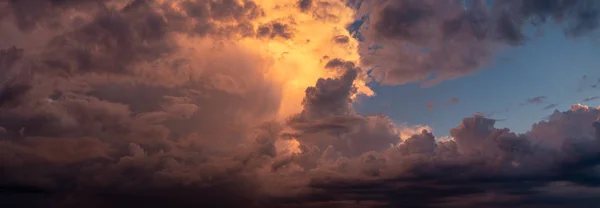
x,y
296,62
251,103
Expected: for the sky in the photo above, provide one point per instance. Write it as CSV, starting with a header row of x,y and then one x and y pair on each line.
x,y
299,103
552,66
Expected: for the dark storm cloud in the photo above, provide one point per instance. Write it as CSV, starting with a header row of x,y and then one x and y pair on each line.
x,y
398,21
28,14
10,93
431,41
82,105
131,39
485,167
327,118
149,150
331,96
8,57
122,157
112,112
136,20
128,37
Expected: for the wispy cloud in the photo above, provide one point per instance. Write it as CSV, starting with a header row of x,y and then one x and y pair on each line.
x,y
591,98
551,106
535,100
453,100
430,105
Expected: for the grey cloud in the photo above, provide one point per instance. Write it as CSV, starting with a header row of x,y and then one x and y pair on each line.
x,y
8,57
127,152
432,41
591,98
127,38
535,100
551,106
423,143
490,167
104,134
28,14
328,119
159,151
331,96
81,105
577,119
10,93
403,19
109,39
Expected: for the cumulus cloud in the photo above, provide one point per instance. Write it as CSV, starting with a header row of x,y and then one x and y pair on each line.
x,y
484,166
431,41
243,104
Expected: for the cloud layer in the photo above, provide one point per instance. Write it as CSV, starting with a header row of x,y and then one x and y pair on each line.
x,y
431,41
247,104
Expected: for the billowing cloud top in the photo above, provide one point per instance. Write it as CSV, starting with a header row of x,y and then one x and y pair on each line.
x,y
239,103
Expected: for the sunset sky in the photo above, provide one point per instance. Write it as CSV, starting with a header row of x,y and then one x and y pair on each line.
x,y
300,103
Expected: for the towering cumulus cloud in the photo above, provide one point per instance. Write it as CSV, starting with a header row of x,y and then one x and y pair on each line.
x,y
240,103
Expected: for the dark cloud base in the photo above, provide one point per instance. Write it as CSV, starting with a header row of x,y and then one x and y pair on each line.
x,y
100,117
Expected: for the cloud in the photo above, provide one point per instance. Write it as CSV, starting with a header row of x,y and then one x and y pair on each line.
x,y
535,100
431,41
189,103
328,119
305,5
483,114
453,100
516,162
430,105
591,98
551,106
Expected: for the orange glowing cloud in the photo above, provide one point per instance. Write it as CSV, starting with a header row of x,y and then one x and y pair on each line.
x,y
298,62
293,45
